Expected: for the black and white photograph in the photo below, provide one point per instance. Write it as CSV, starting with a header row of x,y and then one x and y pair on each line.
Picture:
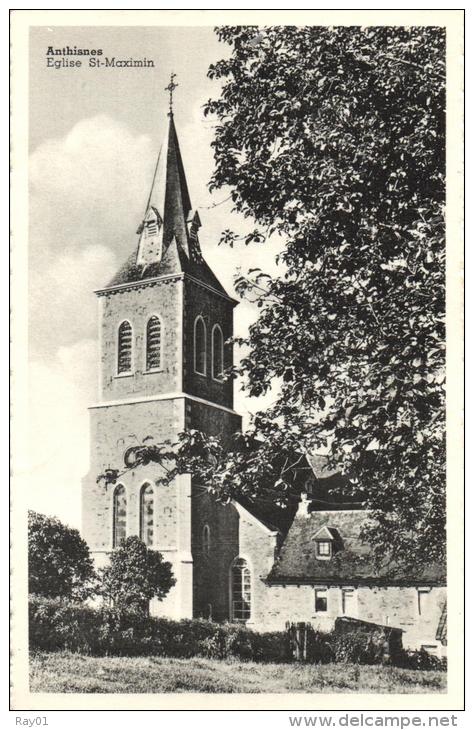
x,y
242,283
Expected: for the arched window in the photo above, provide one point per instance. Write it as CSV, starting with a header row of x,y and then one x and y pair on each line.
x,y
147,514
124,359
153,344
206,540
200,346
120,515
217,352
241,590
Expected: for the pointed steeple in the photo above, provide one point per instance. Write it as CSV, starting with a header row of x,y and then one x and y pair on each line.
x,y
168,209
168,240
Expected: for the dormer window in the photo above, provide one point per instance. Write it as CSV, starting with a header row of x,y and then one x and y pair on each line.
x,y
194,223
149,249
151,228
327,542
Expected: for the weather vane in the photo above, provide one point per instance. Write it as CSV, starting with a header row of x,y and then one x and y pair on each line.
x,y
171,87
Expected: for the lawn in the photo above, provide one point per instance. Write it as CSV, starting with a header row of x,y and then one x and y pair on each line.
x,y
65,672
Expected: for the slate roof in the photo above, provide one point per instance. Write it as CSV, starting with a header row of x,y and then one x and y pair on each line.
x,y
174,261
169,198
270,514
328,487
353,563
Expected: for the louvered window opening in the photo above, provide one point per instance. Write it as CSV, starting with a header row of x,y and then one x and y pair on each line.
x,y
147,515
125,348
153,344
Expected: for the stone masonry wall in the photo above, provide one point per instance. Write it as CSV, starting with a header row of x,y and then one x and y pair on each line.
x,y
137,305
392,605
211,570
214,309
233,533
113,429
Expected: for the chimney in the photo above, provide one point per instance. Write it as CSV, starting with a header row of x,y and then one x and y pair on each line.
x,y
304,505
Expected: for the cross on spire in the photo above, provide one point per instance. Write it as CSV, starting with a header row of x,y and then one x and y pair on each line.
x,y
171,87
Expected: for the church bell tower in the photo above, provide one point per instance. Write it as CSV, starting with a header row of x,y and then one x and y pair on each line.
x,y
164,324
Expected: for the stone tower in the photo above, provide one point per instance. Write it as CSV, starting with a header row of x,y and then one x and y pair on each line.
x,y
164,322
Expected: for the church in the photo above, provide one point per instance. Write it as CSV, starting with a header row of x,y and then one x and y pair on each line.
x,y
165,321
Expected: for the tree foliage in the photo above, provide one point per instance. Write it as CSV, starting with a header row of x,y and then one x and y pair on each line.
x,y
59,563
334,140
135,575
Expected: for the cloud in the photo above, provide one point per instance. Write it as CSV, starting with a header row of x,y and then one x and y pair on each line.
x,y
87,191
63,307
59,429
90,186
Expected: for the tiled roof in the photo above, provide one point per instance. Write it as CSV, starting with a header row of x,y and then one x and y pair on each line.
x,y
297,562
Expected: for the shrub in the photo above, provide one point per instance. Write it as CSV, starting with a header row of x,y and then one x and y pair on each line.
x,y
320,649
359,647
420,659
135,575
56,625
59,562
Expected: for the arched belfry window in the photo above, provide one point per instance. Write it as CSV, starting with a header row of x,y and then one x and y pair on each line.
x,y
217,352
200,346
124,359
241,590
153,344
120,515
147,510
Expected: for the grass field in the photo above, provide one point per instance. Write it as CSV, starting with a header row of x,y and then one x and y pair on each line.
x,y
64,672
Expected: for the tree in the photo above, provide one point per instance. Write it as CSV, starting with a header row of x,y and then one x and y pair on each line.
x,y
334,140
135,575
59,563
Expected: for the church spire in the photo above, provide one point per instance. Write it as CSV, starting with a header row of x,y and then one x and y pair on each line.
x,y
168,242
168,215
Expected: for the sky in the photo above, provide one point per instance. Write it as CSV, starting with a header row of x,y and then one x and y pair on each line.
x,y
94,135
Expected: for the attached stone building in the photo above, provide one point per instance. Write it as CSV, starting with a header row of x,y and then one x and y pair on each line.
x,y
165,321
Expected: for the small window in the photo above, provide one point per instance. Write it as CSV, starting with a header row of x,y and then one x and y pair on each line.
x,y
153,344
324,548
348,601
147,508
119,516
200,346
206,540
320,601
124,360
240,590
217,352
